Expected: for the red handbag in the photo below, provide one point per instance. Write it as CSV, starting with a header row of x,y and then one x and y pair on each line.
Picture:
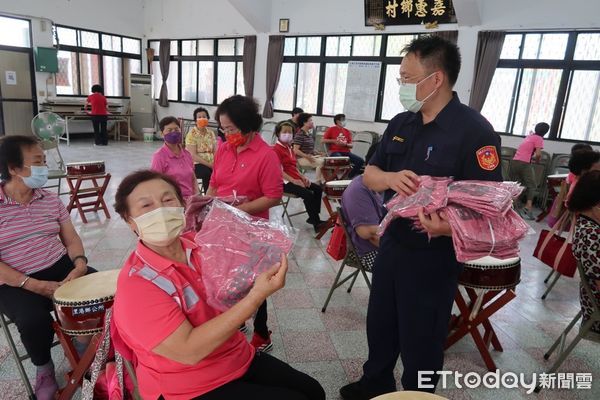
x,y
336,247
556,251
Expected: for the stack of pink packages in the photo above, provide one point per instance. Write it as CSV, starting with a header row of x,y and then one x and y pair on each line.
x,y
235,249
479,212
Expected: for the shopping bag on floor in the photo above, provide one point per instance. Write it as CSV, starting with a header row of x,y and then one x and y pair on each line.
x,y
336,247
555,250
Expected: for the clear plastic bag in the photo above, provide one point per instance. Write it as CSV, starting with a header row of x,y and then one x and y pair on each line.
x,y
431,195
196,209
235,249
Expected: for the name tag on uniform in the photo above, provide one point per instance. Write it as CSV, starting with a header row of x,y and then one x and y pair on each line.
x,y
398,139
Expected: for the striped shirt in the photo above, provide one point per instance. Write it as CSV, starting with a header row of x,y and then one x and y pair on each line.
x,y
29,240
305,141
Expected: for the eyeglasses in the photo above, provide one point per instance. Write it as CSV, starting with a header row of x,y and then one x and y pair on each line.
x,y
402,81
229,130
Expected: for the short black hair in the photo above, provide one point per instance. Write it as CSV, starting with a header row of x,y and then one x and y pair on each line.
x,y
583,160
541,128
199,110
166,121
281,125
338,117
586,193
297,110
11,153
436,53
97,89
242,111
302,118
581,146
131,181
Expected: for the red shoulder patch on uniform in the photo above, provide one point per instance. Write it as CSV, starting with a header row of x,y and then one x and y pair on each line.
x,y
487,157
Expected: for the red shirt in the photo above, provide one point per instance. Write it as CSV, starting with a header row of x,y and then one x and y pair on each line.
x,y
341,134
288,159
254,172
145,314
99,104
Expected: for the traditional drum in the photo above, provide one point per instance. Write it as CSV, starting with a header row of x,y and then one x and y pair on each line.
x,y
85,168
81,303
491,273
335,189
336,161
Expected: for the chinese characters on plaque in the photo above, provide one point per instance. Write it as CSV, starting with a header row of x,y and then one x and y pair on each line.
x,y
409,12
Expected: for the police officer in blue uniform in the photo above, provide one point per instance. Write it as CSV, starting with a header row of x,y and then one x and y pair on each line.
x,y
414,277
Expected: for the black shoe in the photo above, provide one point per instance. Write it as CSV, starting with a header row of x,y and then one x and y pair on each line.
x,y
353,391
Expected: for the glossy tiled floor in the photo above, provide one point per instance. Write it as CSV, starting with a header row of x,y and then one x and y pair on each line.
x,y
332,346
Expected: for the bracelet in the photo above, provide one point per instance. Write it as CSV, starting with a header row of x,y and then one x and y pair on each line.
x,y
84,258
24,282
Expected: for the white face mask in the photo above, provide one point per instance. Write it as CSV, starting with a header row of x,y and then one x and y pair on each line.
x,y
286,138
408,95
343,123
162,226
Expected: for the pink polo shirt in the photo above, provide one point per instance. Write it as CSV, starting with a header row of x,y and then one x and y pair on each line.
x,y
29,233
254,172
179,167
151,303
528,148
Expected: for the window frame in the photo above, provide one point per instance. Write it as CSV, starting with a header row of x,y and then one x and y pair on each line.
x,y
215,58
323,60
568,65
100,52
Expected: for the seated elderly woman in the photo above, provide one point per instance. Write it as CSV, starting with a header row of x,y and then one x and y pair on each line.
x,y
183,347
201,142
585,201
39,250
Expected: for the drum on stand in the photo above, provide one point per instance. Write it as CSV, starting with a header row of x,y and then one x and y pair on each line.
x,y
335,189
86,168
81,303
336,168
491,273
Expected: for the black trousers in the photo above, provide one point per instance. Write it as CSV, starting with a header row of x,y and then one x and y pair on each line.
x,y
269,378
204,173
260,321
311,196
408,314
100,134
31,312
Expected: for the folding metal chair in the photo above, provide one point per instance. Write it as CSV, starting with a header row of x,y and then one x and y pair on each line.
x,y
352,260
583,331
19,358
285,201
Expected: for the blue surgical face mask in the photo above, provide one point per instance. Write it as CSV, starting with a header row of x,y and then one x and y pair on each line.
x,y
38,177
408,95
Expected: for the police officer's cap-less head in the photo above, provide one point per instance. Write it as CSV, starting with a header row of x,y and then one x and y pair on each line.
x,y
428,72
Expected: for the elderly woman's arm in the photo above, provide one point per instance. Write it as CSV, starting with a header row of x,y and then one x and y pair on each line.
x,y
12,277
189,344
72,242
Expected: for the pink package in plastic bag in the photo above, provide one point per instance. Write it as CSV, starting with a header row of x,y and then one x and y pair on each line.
x,y
475,235
234,249
488,198
196,209
430,196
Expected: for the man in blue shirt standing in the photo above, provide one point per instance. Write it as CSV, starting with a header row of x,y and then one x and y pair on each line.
x,y
414,277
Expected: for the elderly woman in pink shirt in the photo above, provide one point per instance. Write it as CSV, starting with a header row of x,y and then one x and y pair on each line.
x,y
520,168
173,159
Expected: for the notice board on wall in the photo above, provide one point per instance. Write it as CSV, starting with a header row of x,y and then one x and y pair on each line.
x,y
362,85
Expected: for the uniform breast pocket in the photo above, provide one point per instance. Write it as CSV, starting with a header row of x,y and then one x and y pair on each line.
x,y
440,163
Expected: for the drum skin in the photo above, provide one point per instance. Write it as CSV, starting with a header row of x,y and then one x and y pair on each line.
x,y
81,304
336,188
86,168
491,277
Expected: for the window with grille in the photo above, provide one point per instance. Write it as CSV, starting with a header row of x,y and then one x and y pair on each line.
x,y
87,57
551,77
201,71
